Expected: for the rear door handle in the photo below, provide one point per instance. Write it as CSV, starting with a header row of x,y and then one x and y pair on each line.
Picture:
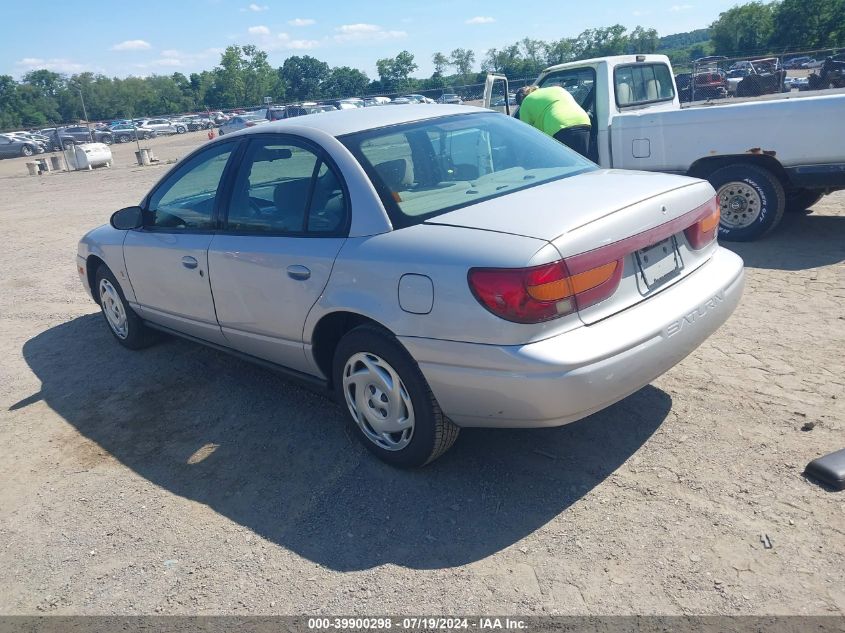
x,y
300,273
189,262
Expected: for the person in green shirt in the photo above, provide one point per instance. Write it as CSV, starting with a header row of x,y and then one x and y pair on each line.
x,y
555,112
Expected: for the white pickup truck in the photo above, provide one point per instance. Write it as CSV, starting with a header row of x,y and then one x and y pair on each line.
x,y
763,156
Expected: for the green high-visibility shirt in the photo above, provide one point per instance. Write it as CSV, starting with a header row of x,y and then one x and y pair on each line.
x,y
551,110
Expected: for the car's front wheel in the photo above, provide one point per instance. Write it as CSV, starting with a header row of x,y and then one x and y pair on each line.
x,y
107,140
26,150
180,129
123,322
392,409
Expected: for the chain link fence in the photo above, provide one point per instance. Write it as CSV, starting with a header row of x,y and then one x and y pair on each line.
x,y
720,77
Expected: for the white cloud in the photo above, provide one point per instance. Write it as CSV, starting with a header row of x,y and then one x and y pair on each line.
x,y
132,45
170,52
302,45
258,30
56,64
302,22
257,8
481,19
675,8
362,32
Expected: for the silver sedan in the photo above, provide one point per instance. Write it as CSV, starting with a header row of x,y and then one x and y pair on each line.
x,y
436,268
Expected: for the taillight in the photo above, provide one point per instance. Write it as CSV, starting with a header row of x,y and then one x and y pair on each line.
x,y
542,293
704,230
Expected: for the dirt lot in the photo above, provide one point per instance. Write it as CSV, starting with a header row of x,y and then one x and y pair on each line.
x,y
180,480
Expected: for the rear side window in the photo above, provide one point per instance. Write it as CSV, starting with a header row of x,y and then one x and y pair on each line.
x,y
642,83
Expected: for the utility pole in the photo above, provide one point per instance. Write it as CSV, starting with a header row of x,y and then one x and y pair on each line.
x,y
84,113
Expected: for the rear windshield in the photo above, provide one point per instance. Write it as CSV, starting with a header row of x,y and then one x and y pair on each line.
x,y
426,168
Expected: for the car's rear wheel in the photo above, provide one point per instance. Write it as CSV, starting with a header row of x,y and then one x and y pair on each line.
x,y
108,140
26,150
180,129
123,138
123,322
752,201
391,407
799,200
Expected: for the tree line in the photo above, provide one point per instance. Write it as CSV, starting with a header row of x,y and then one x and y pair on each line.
x,y
244,75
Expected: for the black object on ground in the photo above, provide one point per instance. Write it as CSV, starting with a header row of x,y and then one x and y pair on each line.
x,y
829,469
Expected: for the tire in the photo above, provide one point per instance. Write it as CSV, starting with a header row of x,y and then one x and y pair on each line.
x,y
108,140
26,150
124,324
375,357
180,129
122,138
799,200
752,201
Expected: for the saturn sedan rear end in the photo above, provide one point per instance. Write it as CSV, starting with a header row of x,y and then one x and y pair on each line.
x,y
436,269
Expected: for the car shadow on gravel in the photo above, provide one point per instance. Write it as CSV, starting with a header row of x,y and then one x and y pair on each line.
x,y
802,241
279,460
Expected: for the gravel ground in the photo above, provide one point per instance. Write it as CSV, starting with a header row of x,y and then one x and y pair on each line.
x,y
180,480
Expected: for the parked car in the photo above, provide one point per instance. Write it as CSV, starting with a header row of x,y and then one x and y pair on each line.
x,y
766,76
830,75
415,98
124,133
795,62
500,102
424,300
57,139
82,134
812,63
11,146
199,122
241,122
376,101
450,98
163,126
709,84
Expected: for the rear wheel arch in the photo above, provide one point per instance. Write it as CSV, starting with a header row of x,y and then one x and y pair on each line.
x,y
328,332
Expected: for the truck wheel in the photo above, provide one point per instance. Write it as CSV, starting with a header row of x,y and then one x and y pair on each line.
x,y
752,201
799,200
391,407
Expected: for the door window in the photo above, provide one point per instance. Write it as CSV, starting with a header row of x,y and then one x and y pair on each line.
x,y
579,82
286,188
185,200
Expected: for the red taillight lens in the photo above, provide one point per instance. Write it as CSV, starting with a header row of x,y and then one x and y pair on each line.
x,y
704,230
541,293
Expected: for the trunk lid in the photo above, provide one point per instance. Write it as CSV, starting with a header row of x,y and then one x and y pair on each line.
x,y
593,210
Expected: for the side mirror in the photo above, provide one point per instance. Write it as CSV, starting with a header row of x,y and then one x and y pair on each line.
x,y
127,219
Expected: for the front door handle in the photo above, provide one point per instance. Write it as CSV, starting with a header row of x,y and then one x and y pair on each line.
x,y
300,273
189,262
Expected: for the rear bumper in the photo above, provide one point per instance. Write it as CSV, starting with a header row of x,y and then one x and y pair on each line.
x,y
569,376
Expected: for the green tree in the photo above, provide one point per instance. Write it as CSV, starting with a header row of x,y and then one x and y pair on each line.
x,y
808,24
744,29
394,71
642,40
344,81
462,59
441,62
302,76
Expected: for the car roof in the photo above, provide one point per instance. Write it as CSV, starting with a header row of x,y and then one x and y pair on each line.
x,y
341,122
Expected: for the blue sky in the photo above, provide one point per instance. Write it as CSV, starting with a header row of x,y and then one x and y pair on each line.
x,y
161,37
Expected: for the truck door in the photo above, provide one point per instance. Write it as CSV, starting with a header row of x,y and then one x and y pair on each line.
x,y
496,94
